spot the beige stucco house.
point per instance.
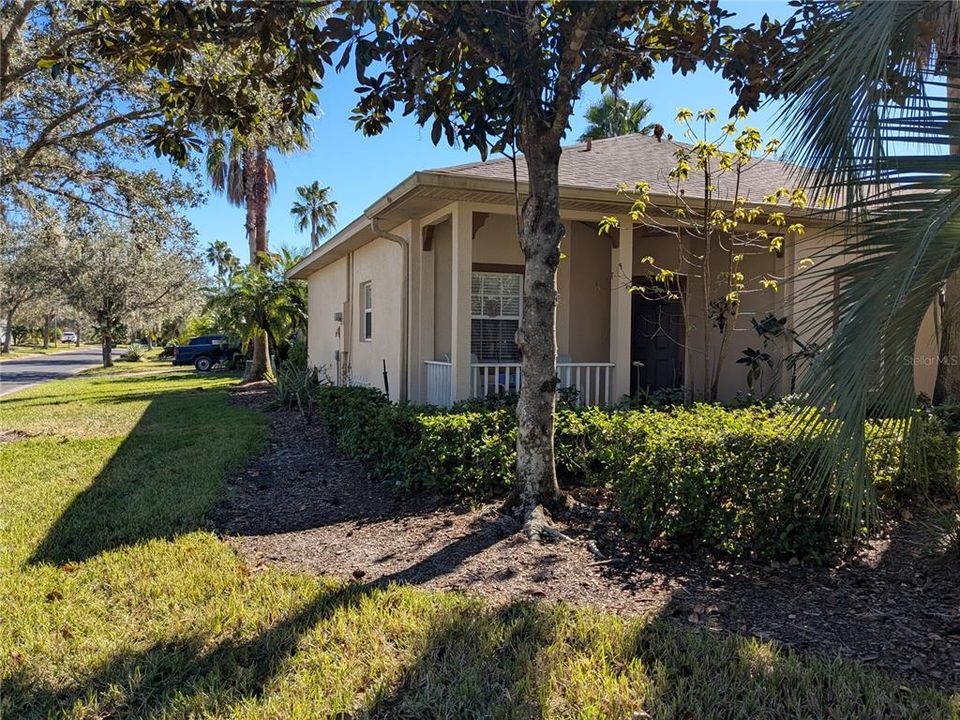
(424, 289)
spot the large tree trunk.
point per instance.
(46, 331)
(259, 199)
(261, 365)
(106, 349)
(540, 236)
(249, 161)
(8, 333)
(261, 193)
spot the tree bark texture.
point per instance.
(106, 348)
(261, 193)
(258, 199)
(261, 356)
(8, 332)
(540, 235)
(250, 203)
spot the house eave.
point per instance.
(425, 191)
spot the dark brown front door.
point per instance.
(658, 336)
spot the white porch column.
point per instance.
(424, 311)
(621, 274)
(414, 359)
(462, 271)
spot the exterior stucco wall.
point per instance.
(326, 294)
(380, 263)
(496, 241)
(812, 290)
(928, 353)
(589, 297)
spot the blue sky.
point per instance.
(360, 169)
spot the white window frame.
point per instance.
(366, 311)
(475, 316)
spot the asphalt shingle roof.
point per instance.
(634, 158)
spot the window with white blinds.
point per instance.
(495, 311)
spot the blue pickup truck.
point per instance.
(203, 352)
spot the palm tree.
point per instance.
(243, 172)
(223, 260)
(613, 116)
(877, 131)
(314, 210)
(261, 302)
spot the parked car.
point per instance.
(203, 352)
(69, 337)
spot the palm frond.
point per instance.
(871, 120)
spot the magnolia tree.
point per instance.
(504, 76)
(716, 227)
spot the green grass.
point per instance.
(151, 363)
(118, 604)
(20, 351)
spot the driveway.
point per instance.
(19, 374)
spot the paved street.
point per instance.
(19, 374)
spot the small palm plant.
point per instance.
(315, 210)
(260, 302)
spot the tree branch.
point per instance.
(567, 71)
(60, 192)
(6, 41)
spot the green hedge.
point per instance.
(468, 453)
(703, 475)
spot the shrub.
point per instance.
(703, 475)
(465, 453)
(718, 477)
(135, 353)
(296, 386)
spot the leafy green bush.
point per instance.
(703, 475)
(466, 453)
(713, 476)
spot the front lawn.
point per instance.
(120, 604)
(21, 351)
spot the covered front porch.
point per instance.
(468, 269)
(587, 383)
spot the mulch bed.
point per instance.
(304, 505)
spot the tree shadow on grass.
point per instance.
(161, 481)
(478, 662)
(179, 674)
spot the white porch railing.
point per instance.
(590, 380)
(438, 382)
